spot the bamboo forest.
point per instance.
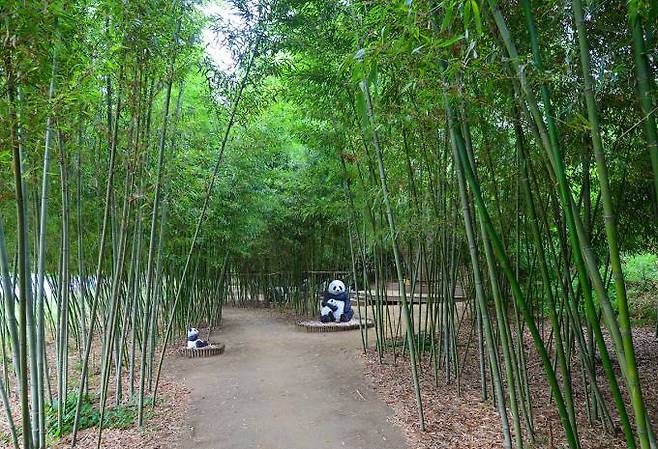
(195, 195)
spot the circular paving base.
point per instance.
(208, 351)
(317, 326)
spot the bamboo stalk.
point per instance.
(632, 375)
(413, 360)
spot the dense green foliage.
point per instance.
(118, 417)
(506, 149)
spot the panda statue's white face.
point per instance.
(192, 334)
(193, 340)
(336, 287)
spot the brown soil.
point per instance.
(162, 425)
(279, 387)
(457, 418)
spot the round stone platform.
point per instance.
(208, 351)
(317, 326)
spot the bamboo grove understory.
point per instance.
(477, 171)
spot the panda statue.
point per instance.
(193, 341)
(336, 304)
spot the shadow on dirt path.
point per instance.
(277, 387)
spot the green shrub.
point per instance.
(89, 416)
(641, 273)
(118, 417)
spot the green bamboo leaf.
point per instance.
(361, 104)
(448, 15)
(477, 16)
(417, 49)
(448, 42)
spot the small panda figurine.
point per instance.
(336, 304)
(193, 341)
(335, 309)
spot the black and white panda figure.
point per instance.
(334, 312)
(193, 341)
(336, 304)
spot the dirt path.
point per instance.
(279, 388)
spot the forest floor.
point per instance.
(457, 418)
(278, 387)
(162, 424)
